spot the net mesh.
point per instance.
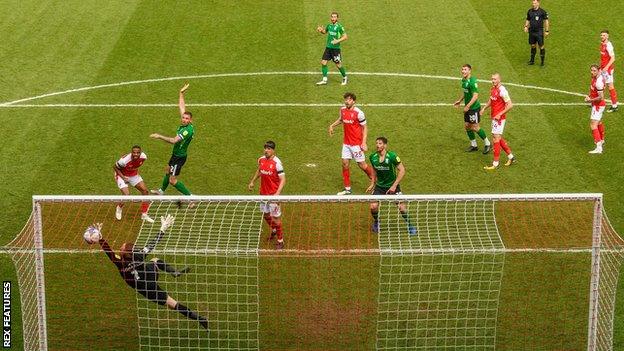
(480, 273)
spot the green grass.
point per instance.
(50, 46)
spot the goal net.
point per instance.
(469, 272)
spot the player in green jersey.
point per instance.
(472, 110)
(387, 174)
(181, 141)
(335, 35)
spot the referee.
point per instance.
(537, 26)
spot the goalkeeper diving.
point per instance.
(142, 275)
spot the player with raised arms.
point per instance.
(181, 141)
(272, 181)
(354, 140)
(388, 171)
(127, 172)
(142, 275)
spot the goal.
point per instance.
(479, 272)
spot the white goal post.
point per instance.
(446, 284)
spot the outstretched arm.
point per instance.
(181, 103)
(166, 222)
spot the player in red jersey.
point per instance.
(127, 172)
(500, 102)
(272, 180)
(596, 97)
(354, 142)
(607, 58)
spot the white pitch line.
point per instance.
(247, 74)
(276, 104)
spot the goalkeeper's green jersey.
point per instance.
(186, 134)
(470, 88)
(334, 31)
(386, 169)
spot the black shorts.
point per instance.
(472, 116)
(152, 292)
(175, 164)
(332, 55)
(536, 37)
(383, 191)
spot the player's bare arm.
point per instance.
(281, 184)
(546, 27)
(321, 30)
(597, 98)
(250, 186)
(333, 125)
(458, 101)
(508, 106)
(118, 172)
(341, 39)
(165, 138)
(181, 103)
(364, 135)
(526, 26)
(486, 106)
(400, 176)
(475, 96)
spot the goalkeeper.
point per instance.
(143, 275)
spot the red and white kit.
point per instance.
(130, 169)
(598, 107)
(270, 171)
(498, 98)
(352, 120)
(606, 53)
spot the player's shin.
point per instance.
(613, 95)
(497, 150)
(346, 178)
(483, 136)
(324, 70)
(165, 182)
(187, 312)
(145, 206)
(596, 135)
(601, 129)
(181, 188)
(503, 144)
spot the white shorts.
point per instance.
(608, 77)
(271, 207)
(134, 180)
(596, 113)
(353, 152)
(498, 126)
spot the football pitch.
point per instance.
(86, 80)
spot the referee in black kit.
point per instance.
(537, 26)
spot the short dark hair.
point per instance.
(334, 13)
(595, 66)
(270, 144)
(136, 147)
(188, 113)
(467, 65)
(383, 139)
(605, 31)
(349, 95)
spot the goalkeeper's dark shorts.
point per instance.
(152, 292)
